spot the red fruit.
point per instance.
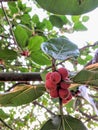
(64, 84)
(55, 77)
(54, 94)
(25, 53)
(64, 101)
(63, 72)
(48, 75)
(63, 93)
(50, 85)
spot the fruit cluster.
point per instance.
(57, 84)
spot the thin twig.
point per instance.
(89, 116)
(6, 124)
(11, 30)
(37, 103)
(85, 47)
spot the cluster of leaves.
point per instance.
(24, 40)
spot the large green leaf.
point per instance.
(70, 123)
(21, 94)
(72, 7)
(60, 48)
(21, 35)
(88, 77)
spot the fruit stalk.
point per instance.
(61, 113)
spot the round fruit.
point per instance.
(55, 77)
(63, 93)
(25, 53)
(64, 85)
(64, 101)
(48, 75)
(54, 94)
(63, 72)
(68, 7)
(50, 85)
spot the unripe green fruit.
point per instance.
(48, 75)
(50, 85)
(63, 72)
(55, 77)
(63, 93)
(54, 93)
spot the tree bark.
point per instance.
(11, 76)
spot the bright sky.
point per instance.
(91, 35)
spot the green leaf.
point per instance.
(3, 115)
(70, 123)
(35, 19)
(75, 18)
(88, 77)
(21, 94)
(47, 24)
(34, 43)
(72, 7)
(60, 48)
(40, 58)
(7, 54)
(57, 21)
(13, 8)
(85, 18)
(21, 35)
(78, 26)
(25, 19)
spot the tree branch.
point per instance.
(89, 117)
(6, 124)
(11, 30)
(37, 103)
(11, 76)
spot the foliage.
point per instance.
(30, 43)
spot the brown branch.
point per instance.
(6, 124)
(11, 30)
(89, 116)
(11, 76)
(85, 47)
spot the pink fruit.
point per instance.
(48, 75)
(63, 93)
(50, 85)
(63, 72)
(64, 101)
(55, 77)
(25, 53)
(64, 84)
(54, 93)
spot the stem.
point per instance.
(61, 113)
(11, 30)
(53, 65)
(6, 124)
